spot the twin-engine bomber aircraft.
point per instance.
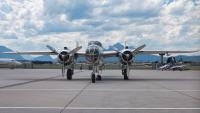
(94, 55)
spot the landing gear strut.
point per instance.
(95, 71)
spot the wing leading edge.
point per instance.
(165, 52)
(31, 53)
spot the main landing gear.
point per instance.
(125, 72)
(69, 74)
(93, 77)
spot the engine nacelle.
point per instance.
(64, 56)
(126, 56)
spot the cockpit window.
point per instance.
(92, 53)
(95, 43)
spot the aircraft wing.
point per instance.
(164, 52)
(110, 53)
(81, 53)
(31, 53)
(105, 53)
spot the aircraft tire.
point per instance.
(69, 74)
(93, 78)
(125, 75)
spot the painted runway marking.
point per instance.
(131, 90)
(31, 107)
(111, 108)
(102, 108)
(27, 82)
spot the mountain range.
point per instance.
(13, 56)
(118, 46)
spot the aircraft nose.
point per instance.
(92, 53)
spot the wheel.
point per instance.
(93, 78)
(69, 74)
(98, 77)
(125, 75)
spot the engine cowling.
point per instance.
(126, 56)
(64, 56)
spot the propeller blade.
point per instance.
(75, 49)
(138, 49)
(51, 48)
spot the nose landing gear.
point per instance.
(93, 76)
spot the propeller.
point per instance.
(136, 51)
(127, 54)
(75, 49)
(64, 55)
(52, 49)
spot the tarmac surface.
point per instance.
(147, 91)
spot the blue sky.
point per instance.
(160, 24)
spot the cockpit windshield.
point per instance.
(92, 53)
(95, 43)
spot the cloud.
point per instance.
(169, 24)
(135, 8)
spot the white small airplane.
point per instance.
(172, 67)
(9, 62)
(94, 55)
(172, 64)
